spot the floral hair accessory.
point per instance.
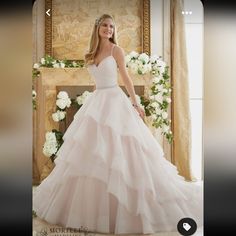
(97, 21)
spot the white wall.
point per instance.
(194, 44)
(156, 12)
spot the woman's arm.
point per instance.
(120, 59)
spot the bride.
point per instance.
(110, 174)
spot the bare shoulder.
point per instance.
(118, 52)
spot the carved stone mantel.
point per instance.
(47, 84)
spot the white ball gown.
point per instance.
(110, 175)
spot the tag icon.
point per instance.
(186, 226)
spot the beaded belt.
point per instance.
(105, 87)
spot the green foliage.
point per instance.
(145, 102)
(34, 214)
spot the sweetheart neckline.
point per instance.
(96, 66)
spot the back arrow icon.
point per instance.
(47, 12)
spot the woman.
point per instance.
(103, 44)
(111, 175)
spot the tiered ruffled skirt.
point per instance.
(111, 175)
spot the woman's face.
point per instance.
(106, 28)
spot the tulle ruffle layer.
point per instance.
(111, 176)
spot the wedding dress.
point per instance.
(110, 174)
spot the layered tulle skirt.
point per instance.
(111, 175)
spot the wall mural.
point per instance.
(68, 30)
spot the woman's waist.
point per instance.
(106, 86)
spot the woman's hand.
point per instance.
(140, 111)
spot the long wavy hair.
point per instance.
(95, 38)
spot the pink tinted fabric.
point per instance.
(111, 175)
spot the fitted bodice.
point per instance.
(105, 73)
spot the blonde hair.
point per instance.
(95, 39)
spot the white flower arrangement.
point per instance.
(159, 100)
(83, 97)
(63, 100)
(158, 65)
(138, 64)
(50, 146)
(36, 65)
(54, 138)
(34, 95)
(53, 141)
(142, 64)
(156, 105)
(58, 115)
(49, 61)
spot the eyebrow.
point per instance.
(107, 23)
